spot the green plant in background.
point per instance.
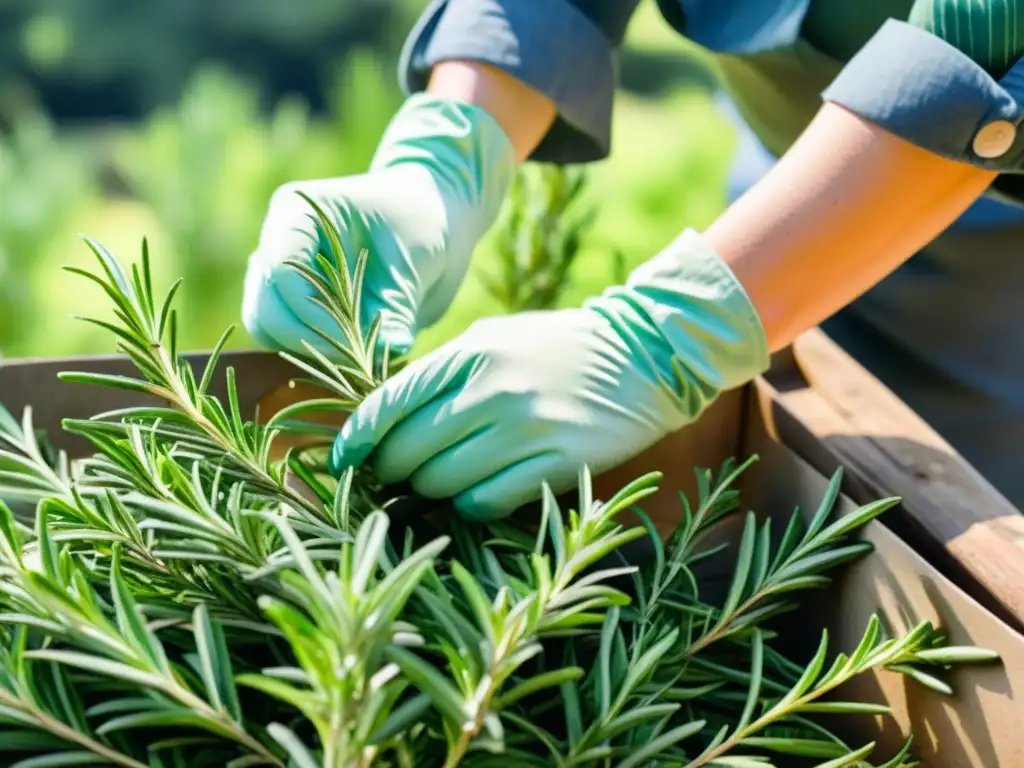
(539, 236)
(543, 229)
(362, 97)
(44, 179)
(209, 167)
(185, 561)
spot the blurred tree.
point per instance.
(107, 59)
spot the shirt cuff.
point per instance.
(548, 44)
(922, 89)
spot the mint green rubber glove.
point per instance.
(526, 398)
(435, 186)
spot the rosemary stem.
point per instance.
(776, 713)
(69, 734)
(180, 398)
(239, 734)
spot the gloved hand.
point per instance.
(521, 399)
(436, 184)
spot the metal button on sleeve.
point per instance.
(994, 139)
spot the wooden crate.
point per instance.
(832, 412)
(794, 427)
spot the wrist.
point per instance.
(691, 315)
(524, 113)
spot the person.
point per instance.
(890, 218)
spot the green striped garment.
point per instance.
(991, 32)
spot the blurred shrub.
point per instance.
(44, 179)
(208, 167)
(362, 95)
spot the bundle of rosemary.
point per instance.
(185, 597)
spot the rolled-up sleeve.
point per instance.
(562, 48)
(919, 86)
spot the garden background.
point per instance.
(175, 121)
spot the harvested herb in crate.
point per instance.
(183, 597)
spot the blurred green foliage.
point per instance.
(43, 179)
(208, 166)
(99, 58)
(196, 174)
(538, 237)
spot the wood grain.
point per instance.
(832, 412)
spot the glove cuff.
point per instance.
(465, 149)
(693, 318)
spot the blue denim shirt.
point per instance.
(905, 79)
(943, 330)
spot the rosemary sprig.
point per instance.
(817, 681)
(363, 362)
(25, 689)
(147, 334)
(345, 628)
(552, 598)
(761, 578)
(59, 600)
(181, 561)
(27, 473)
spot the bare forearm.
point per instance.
(523, 113)
(841, 210)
